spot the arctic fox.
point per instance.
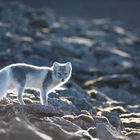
(45, 79)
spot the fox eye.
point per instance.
(59, 73)
(66, 73)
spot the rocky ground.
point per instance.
(102, 99)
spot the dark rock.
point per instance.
(64, 104)
(79, 98)
(113, 80)
(37, 60)
(135, 115)
(131, 120)
(105, 131)
(74, 91)
(98, 95)
(114, 119)
(92, 131)
(117, 109)
(18, 128)
(4, 101)
(121, 94)
(83, 121)
(134, 135)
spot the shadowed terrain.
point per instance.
(117, 10)
(102, 99)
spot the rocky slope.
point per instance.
(101, 101)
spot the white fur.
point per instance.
(34, 81)
(5, 81)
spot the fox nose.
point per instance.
(62, 80)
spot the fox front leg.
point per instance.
(43, 96)
(47, 93)
(46, 87)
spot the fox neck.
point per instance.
(54, 79)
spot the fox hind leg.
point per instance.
(20, 85)
(20, 80)
(3, 88)
(4, 82)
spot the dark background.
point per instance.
(127, 11)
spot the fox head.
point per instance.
(62, 71)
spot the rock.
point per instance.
(58, 29)
(74, 90)
(37, 60)
(4, 101)
(62, 129)
(48, 128)
(64, 104)
(105, 131)
(118, 109)
(98, 95)
(121, 94)
(83, 121)
(92, 131)
(113, 80)
(69, 117)
(130, 120)
(20, 129)
(19, 121)
(130, 115)
(114, 119)
(134, 135)
(33, 94)
(77, 96)
(28, 101)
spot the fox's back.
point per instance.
(33, 76)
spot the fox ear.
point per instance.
(55, 64)
(69, 65)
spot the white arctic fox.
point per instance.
(46, 79)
